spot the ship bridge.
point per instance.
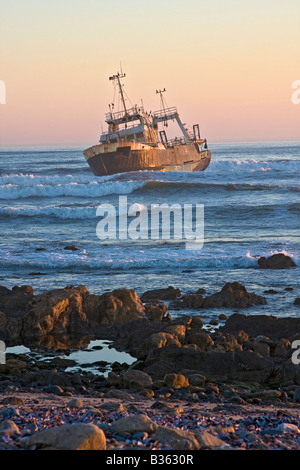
(134, 124)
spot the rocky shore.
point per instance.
(232, 387)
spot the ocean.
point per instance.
(250, 193)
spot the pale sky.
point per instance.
(228, 65)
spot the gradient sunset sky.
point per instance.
(228, 65)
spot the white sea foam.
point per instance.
(252, 165)
(128, 259)
(73, 189)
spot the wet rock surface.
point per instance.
(231, 387)
(277, 261)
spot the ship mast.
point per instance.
(117, 77)
(160, 92)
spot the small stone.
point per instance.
(9, 427)
(75, 403)
(222, 316)
(288, 427)
(9, 412)
(113, 406)
(139, 422)
(176, 381)
(136, 379)
(54, 389)
(209, 441)
(197, 380)
(12, 401)
(120, 394)
(184, 440)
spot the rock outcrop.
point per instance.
(277, 261)
(70, 311)
(232, 295)
(266, 325)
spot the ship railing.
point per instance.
(128, 128)
(179, 141)
(166, 113)
(133, 112)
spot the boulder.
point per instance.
(233, 295)
(201, 338)
(155, 310)
(175, 381)
(192, 301)
(177, 331)
(57, 311)
(208, 441)
(266, 325)
(136, 379)
(15, 401)
(139, 422)
(63, 313)
(120, 305)
(236, 365)
(156, 340)
(68, 437)
(8, 427)
(196, 322)
(179, 439)
(277, 261)
(169, 293)
(71, 248)
(226, 341)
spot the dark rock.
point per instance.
(196, 322)
(120, 305)
(266, 325)
(277, 261)
(71, 248)
(77, 436)
(193, 301)
(16, 401)
(136, 379)
(233, 295)
(169, 293)
(236, 365)
(54, 389)
(297, 301)
(201, 338)
(9, 412)
(67, 312)
(155, 310)
(37, 274)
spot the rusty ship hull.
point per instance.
(133, 141)
(128, 156)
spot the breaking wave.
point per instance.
(73, 189)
